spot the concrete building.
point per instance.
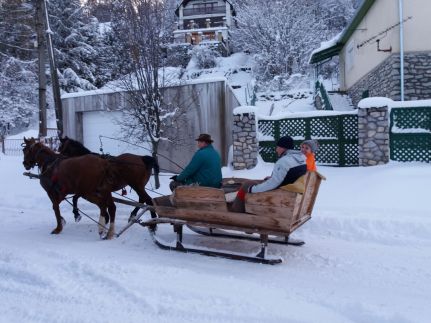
(204, 22)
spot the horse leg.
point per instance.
(58, 217)
(75, 208)
(111, 211)
(143, 198)
(102, 220)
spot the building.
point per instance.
(204, 22)
(384, 51)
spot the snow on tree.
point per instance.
(205, 56)
(143, 30)
(281, 34)
(77, 45)
(18, 79)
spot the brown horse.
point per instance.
(88, 176)
(134, 170)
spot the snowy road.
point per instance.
(366, 259)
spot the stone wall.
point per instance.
(245, 145)
(384, 80)
(373, 134)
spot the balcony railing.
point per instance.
(204, 11)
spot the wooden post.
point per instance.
(42, 77)
(3, 150)
(54, 75)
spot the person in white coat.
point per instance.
(288, 168)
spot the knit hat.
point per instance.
(313, 144)
(205, 138)
(285, 142)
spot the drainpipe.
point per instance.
(400, 3)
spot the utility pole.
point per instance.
(54, 75)
(42, 77)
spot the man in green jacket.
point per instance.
(204, 169)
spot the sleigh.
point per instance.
(270, 217)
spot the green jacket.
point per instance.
(204, 169)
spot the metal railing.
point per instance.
(13, 147)
(324, 95)
(204, 11)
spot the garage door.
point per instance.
(102, 129)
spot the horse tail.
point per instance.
(151, 162)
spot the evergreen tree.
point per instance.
(74, 52)
(18, 78)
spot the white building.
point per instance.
(379, 58)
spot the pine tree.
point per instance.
(74, 52)
(18, 79)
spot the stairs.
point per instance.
(340, 101)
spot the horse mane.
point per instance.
(79, 147)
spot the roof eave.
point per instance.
(345, 36)
(326, 53)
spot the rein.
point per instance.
(136, 145)
(86, 215)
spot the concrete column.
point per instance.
(228, 14)
(373, 142)
(245, 145)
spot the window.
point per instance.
(350, 52)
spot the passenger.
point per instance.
(288, 168)
(204, 169)
(309, 148)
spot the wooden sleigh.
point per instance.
(270, 217)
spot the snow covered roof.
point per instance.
(334, 46)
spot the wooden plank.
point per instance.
(270, 222)
(199, 197)
(314, 196)
(162, 200)
(209, 225)
(275, 198)
(297, 208)
(198, 192)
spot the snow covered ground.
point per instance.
(366, 259)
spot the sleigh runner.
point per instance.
(272, 216)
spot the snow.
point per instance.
(374, 102)
(366, 259)
(327, 44)
(411, 104)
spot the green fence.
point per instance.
(410, 134)
(337, 136)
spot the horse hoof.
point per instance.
(78, 218)
(107, 237)
(56, 231)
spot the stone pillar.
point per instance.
(373, 142)
(245, 145)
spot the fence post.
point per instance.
(373, 136)
(245, 146)
(340, 133)
(3, 150)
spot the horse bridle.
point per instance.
(63, 145)
(29, 150)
